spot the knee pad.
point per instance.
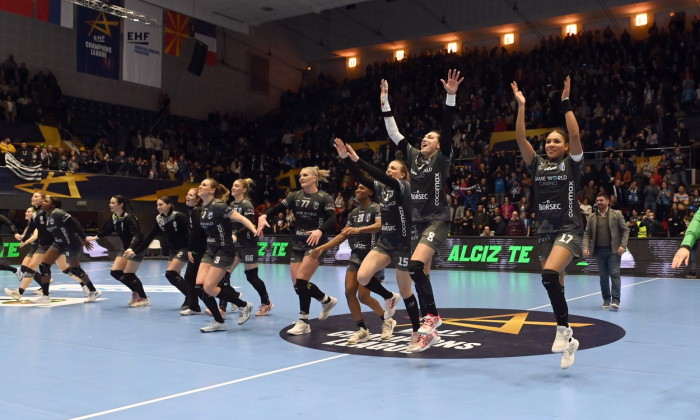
(77, 271)
(44, 269)
(550, 281)
(415, 266)
(251, 275)
(117, 274)
(171, 275)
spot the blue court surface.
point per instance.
(105, 360)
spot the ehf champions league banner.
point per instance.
(97, 48)
(143, 46)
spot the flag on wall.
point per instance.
(59, 12)
(20, 7)
(97, 43)
(206, 32)
(27, 173)
(177, 30)
(142, 47)
(179, 27)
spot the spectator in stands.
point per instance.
(507, 207)
(664, 200)
(24, 154)
(5, 147)
(695, 200)
(676, 225)
(681, 197)
(481, 218)
(651, 193)
(486, 231)
(586, 208)
(632, 196)
(499, 226)
(9, 106)
(516, 226)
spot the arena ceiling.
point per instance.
(328, 28)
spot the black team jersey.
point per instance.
(555, 185)
(361, 217)
(38, 222)
(394, 197)
(428, 176)
(127, 228)
(244, 236)
(216, 224)
(175, 229)
(66, 231)
(311, 212)
(198, 239)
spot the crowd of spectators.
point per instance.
(631, 99)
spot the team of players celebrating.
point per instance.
(402, 218)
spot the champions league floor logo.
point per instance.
(466, 333)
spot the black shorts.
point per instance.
(180, 254)
(221, 258)
(399, 254)
(248, 253)
(297, 255)
(33, 247)
(137, 257)
(431, 233)
(356, 257)
(571, 241)
(70, 251)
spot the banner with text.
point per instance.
(143, 46)
(97, 49)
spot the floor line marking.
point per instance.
(206, 388)
(595, 294)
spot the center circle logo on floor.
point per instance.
(465, 333)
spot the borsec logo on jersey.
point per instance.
(465, 333)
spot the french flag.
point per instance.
(206, 32)
(55, 11)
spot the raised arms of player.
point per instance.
(575, 146)
(526, 150)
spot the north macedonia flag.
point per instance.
(177, 29)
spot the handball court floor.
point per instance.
(105, 360)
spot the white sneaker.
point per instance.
(92, 296)
(426, 341)
(413, 344)
(213, 327)
(43, 299)
(86, 292)
(300, 328)
(326, 308)
(388, 328)
(189, 311)
(14, 294)
(390, 305)
(360, 336)
(141, 302)
(567, 356)
(562, 337)
(429, 324)
(134, 298)
(244, 313)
